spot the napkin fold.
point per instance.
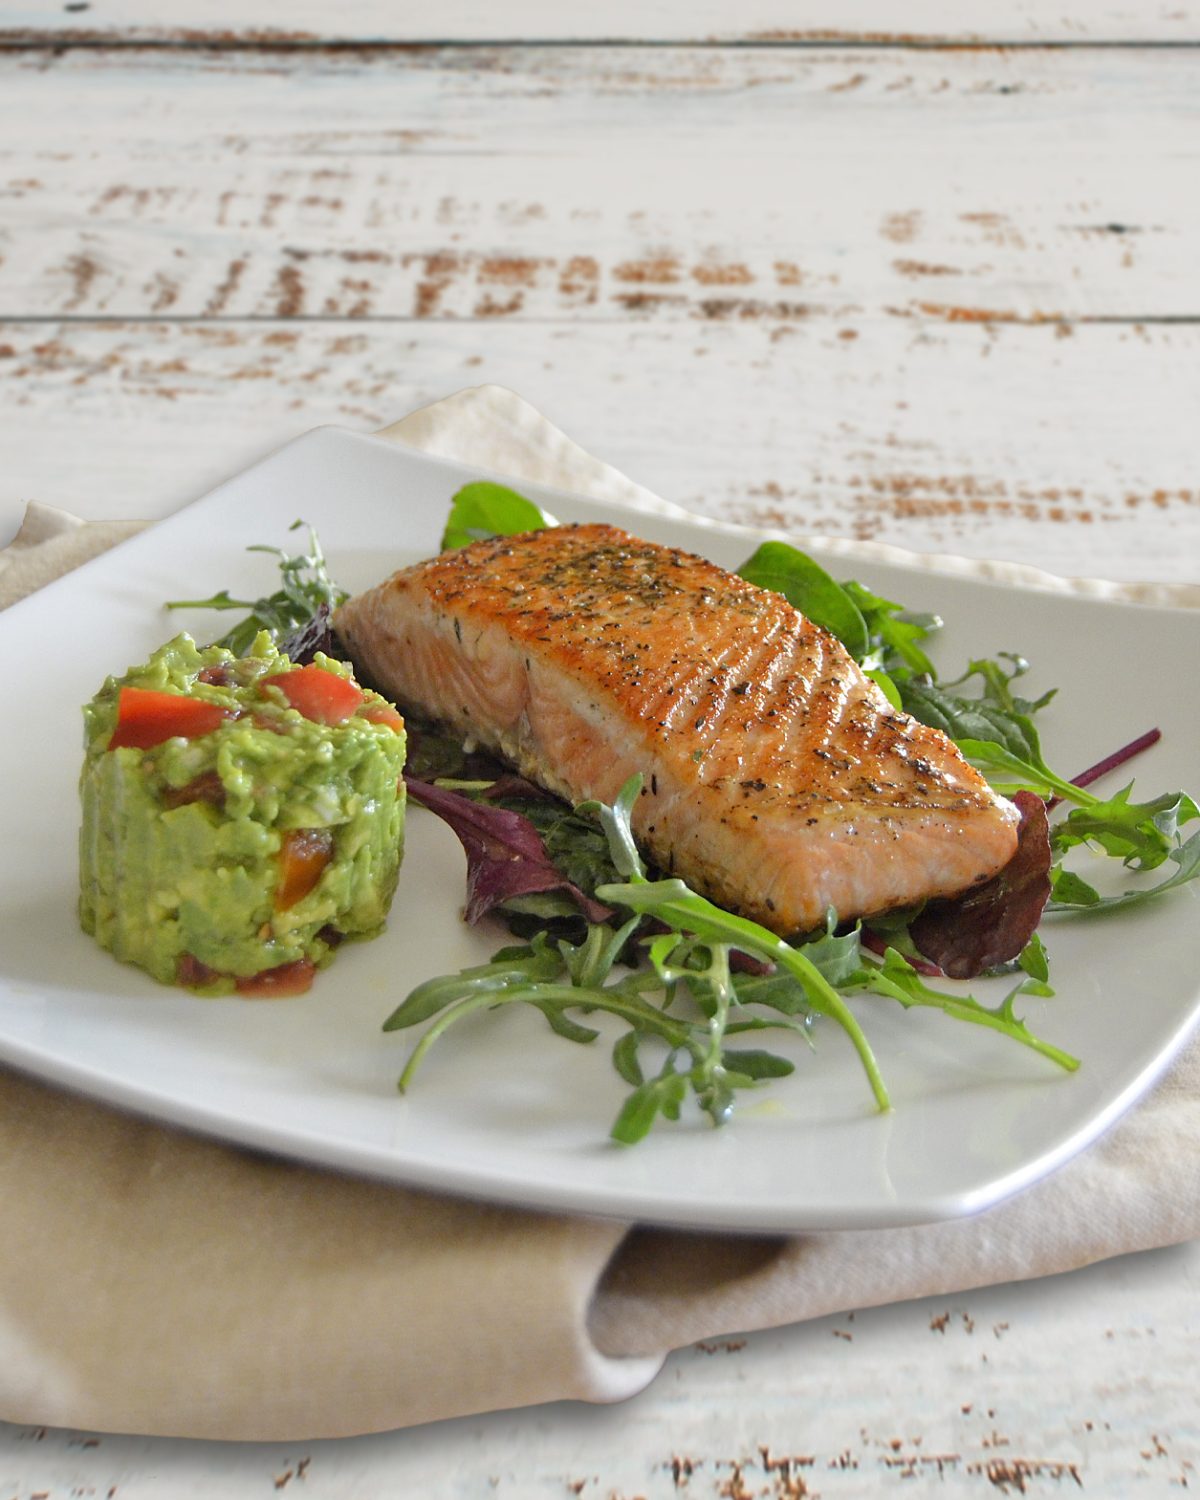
(158, 1283)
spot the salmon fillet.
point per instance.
(778, 780)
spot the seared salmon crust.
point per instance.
(778, 780)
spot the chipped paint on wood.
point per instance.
(991, 440)
(535, 184)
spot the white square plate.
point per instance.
(503, 1109)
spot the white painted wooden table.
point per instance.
(779, 263)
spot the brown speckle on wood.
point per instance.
(923, 268)
(579, 280)
(489, 307)
(681, 1469)
(998, 229)
(749, 307)
(1013, 1474)
(440, 269)
(645, 302)
(163, 292)
(290, 286)
(901, 228)
(83, 271)
(660, 270)
(718, 275)
(217, 302)
(510, 270)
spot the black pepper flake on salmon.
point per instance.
(583, 655)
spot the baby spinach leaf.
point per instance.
(809, 588)
(485, 509)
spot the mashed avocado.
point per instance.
(240, 816)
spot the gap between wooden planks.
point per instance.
(1062, 451)
(782, 22)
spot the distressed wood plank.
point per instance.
(796, 21)
(659, 183)
(1071, 452)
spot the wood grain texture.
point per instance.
(804, 21)
(1076, 1384)
(596, 184)
(1055, 446)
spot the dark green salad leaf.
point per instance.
(485, 509)
(809, 588)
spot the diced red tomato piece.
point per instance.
(383, 713)
(146, 718)
(305, 853)
(279, 983)
(321, 696)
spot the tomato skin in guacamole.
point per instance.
(237, 825)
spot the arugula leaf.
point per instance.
(689, 957)
(1070, 892)
(1034, 959)
(1141, 834)
(305, 589)
(1032, 774)
(755, 1064)
(661, 1095)
(810, 589)
(897, 978)
(484, 509)
(625, 1059)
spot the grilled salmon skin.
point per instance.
(778, 780)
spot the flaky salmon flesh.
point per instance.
(777, 778)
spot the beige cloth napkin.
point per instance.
(153, 1282)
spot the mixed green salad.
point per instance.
(696, 987)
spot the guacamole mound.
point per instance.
(241, 816)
